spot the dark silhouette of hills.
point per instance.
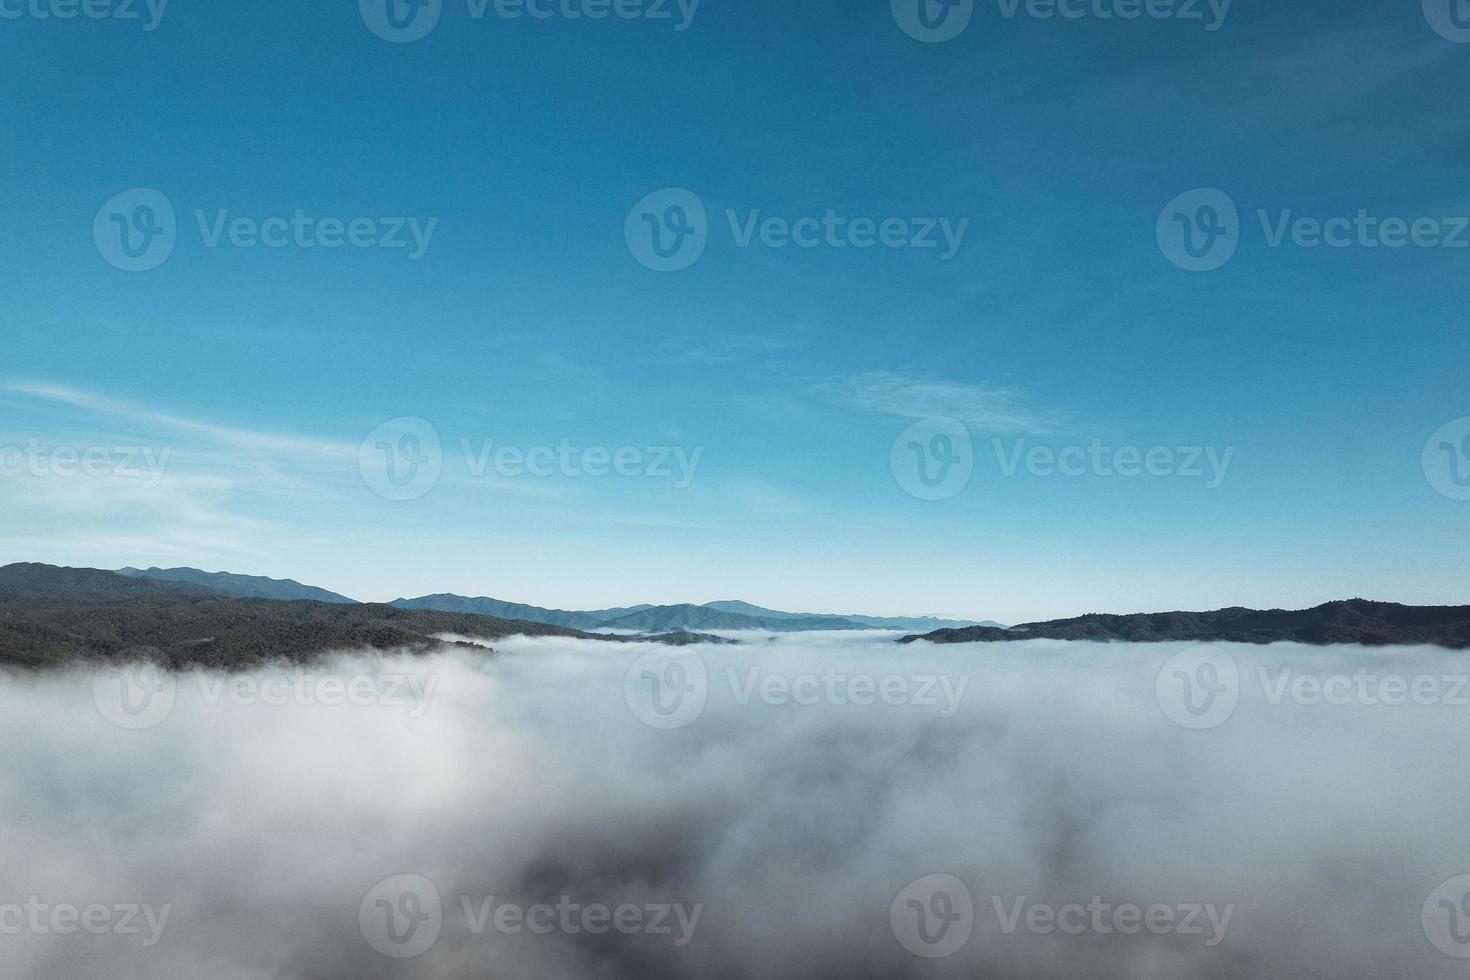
(1350, 621)
(96, 585)
(28, 580)
(241, 586)
(704, 618)
(52, 616)
(918, 623)
(485, 606)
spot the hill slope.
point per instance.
(916, 623)
(485, 606)
(52, 616)
(704, 618)
(29, 580)
(241, 586)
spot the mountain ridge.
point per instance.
(240, 586)
(726, 614)
(873, 622)
(1360, 621)
(52, 615)
(486, 606)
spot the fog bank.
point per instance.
(803, 806)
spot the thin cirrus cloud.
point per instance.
(192, 490)
(247, 439)
(986, 407)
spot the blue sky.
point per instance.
(529, 320)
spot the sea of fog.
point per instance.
(797, 806)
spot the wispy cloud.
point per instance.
(985, 407)
(248, 439)
(193, 489)
(736, 347)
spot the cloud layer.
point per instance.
(793, 802)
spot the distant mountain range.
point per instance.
(1351, 621)
(483, 606)
(51, 615)
(724, 615)
(870, 622)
